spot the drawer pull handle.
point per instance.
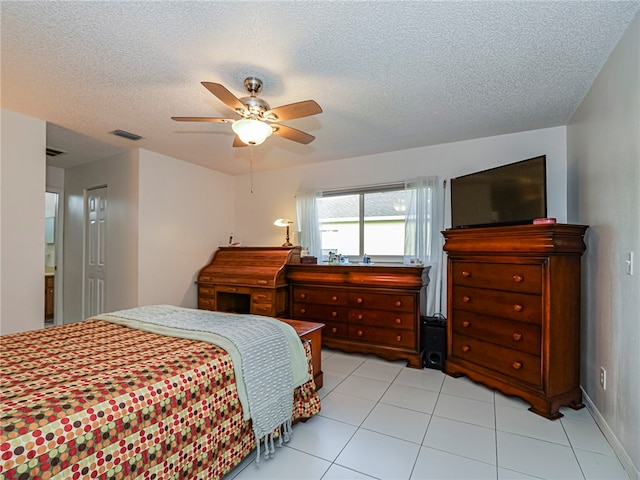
(231, 289)
(303, 295)
(334, 330)
(303, 310)
(517, 336)
(466, 274)
(466, 324)
(466, 348)
(518, 308)
(398, 303)
(334, 298)
(399, 338)
(360, 333)
(334, 314)
(466, 299)
(359, 300)
(261, 296)
(360, 316)
(262, 282)
(518, 278)
(398, 321)
(516, 365)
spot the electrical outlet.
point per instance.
(603, 378)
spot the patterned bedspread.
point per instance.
(99, 400)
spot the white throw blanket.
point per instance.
(268, 358)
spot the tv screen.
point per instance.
(513, 194)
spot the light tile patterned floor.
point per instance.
(380, 420)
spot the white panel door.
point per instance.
(95, 249)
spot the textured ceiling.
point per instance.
(388, 75)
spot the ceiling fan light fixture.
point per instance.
(251, 131)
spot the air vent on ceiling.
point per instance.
(125, 134)
(54, 152)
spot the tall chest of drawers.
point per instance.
(365, 309)
(514, 311)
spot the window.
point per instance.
(362, 222)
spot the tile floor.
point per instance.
(380, 420)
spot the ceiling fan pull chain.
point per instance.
(251, 168)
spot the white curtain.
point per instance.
(422, 238)
(308, 222)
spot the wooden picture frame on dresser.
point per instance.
(513, 307)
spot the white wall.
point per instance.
(22, 186)
(274, 191)
(604, 166)
(185, 213)
(120, 175)
(55, 177)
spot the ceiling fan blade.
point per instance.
(292, 134)
(238, 143)
(202, 119)
(293, 110)
(228, 98)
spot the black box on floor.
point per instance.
(434, 341)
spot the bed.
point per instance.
(100, 399)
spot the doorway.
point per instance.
(53, 272)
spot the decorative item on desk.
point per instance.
(284, 222)
(544, 221)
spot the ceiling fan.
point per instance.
(257, 119)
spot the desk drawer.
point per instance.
(501, 276)
(207, 291)
(516, 306)
(382, 336)
(206, 303)
(522, 366)
(508, 333)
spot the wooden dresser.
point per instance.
(247, 280)
(514, 311)
(366, 309)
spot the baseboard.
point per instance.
(618, 449)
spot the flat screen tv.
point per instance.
(513, 194)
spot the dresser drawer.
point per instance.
(380, 318)
(513, 277)
(522, 366)
(335, 330)
(517, 306)
(320, 296)
(521, 336)
(321, 313)
(398, 303)
(383, 336)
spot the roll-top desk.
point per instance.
(247, 280)
(365, 309)
(514, 311)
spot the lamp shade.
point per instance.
(252, 132)
(282, 222)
